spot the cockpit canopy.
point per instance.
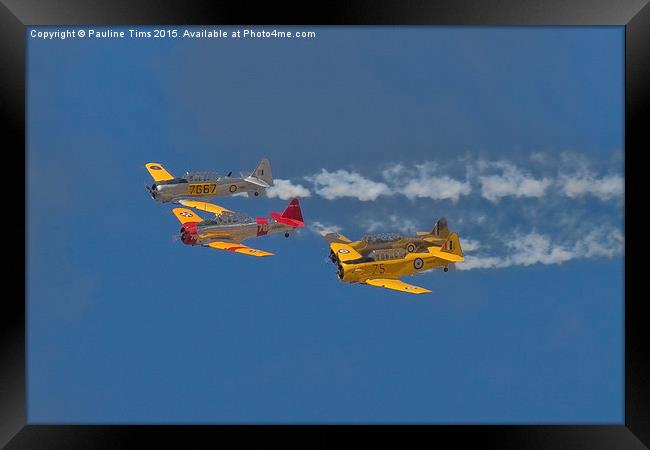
(381, 238)
(201, 176)
(233, 218)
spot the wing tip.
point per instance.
(396, 285)
(158, 171)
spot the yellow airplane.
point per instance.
(384, 267)
(228, 229)
(421, 240)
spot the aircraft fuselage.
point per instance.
(367, 268)
(181, 188)
(202, 233)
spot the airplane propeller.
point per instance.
(229, 173)
(151, 190)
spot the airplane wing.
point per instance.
(158, 172)
(344, 252)
(204, 206)
(185, 215)
(238, 248)
(396, 285)
(335, 237)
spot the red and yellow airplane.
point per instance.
(383, 267)
(228, 229)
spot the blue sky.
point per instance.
(515, 135)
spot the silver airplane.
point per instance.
(206, 185)
(228, 229)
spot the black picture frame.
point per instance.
(16, 15)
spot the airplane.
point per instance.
(228, 228)
(422, 239)
(206, 185)
(384, 267)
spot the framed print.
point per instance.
(416, 216)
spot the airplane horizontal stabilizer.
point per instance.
(450, 250)
(257, 182)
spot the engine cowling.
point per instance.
(189, 233)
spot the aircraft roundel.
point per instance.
(344, 250)
(186, 214)
(410, 248)
(232, 188)
(418, 263)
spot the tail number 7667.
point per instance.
(198, 189)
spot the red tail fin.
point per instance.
(293, 211)
(291, 216)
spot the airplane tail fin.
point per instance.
(291, 216)
(263, 172)
(293, 211)
(440, 229)
(452, 245)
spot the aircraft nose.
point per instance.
(188, 233)
(339, 271)
(151, 190)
